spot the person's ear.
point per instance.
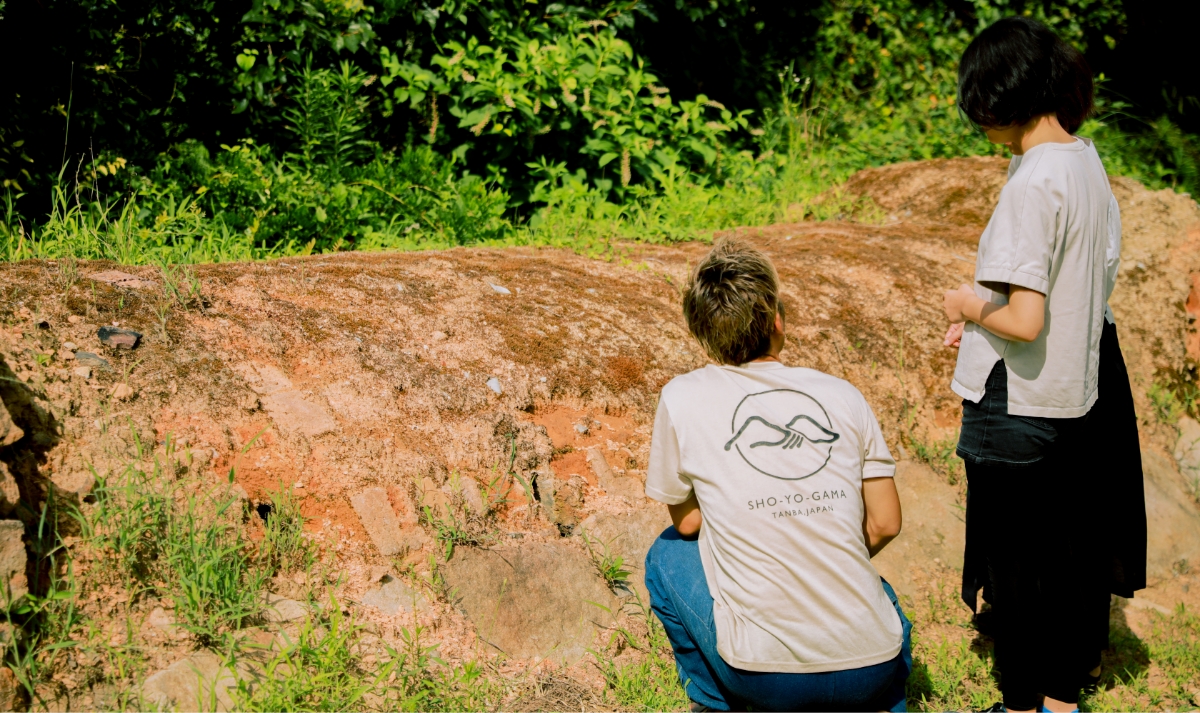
(779, 322)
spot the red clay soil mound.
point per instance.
(434, 375)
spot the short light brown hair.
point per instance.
(731, 302)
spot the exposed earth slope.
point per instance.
(511, 393)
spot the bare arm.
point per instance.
(882, 520)
(686, 516)
(1021, 320)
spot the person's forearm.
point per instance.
(876, 542)
(1003, 320)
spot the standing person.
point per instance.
(779, 485)
(1048, 425)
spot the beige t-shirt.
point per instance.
(776, 457)
(1056, 230)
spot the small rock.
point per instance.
(249, 402)
(121, 392)
(13, 560)
(92, 360)
(592, 291)
(70, 346)
(10, 432)
(10, 494)
(581, 429)
(83, 371)
(280, 610)
(119, 338)
(438, 336)
(73, 487)
(162, 620)
(393, 596)
(500, 290)
(8, 689)
(74, 319)
(65, 355)
(494, 384)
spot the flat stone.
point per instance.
(121, 392)
(393, 596)
(65, 355)
(119, 338)
(93, 360)
(380, 521)
(293, 414)
(533, 599)
(191, 684)
(438, 336)
(10, 432)
(1172, 520)
(934, 528)
(494, 384)
(12, 561)
(70, 346)
(82, 371)
(280, 609)
(121, 279)
(628, 535)
(74, 319)
(499, 289)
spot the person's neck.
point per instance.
(1043, 129)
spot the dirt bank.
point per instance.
(516, 387)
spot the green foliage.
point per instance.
(284, 548)
(611, 567)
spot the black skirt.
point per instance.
(1108, 502)
(1056, 520)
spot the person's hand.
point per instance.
(954, 301)
(954, 335)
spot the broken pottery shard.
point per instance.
(119, 338)
(379, 521)
(121, 279)
(93, 360)
(292, 414)
(10, 432)
(12, 561)
(499, 289)
(494, 384)
(536, 599)
(392, 597)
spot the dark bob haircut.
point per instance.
(1017, 69)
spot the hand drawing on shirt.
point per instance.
(793, 435)
(794, 451)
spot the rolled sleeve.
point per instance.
(877, 459)
(1018, 246)
(664, 482)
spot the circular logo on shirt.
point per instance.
(782, 433)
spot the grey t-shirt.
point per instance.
(1056, 230)
(776, 457)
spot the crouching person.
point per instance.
(780, 486)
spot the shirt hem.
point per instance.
(968, 394)
(797, 667)
(660, 496)
(1053, 411)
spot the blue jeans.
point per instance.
(679, 596)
